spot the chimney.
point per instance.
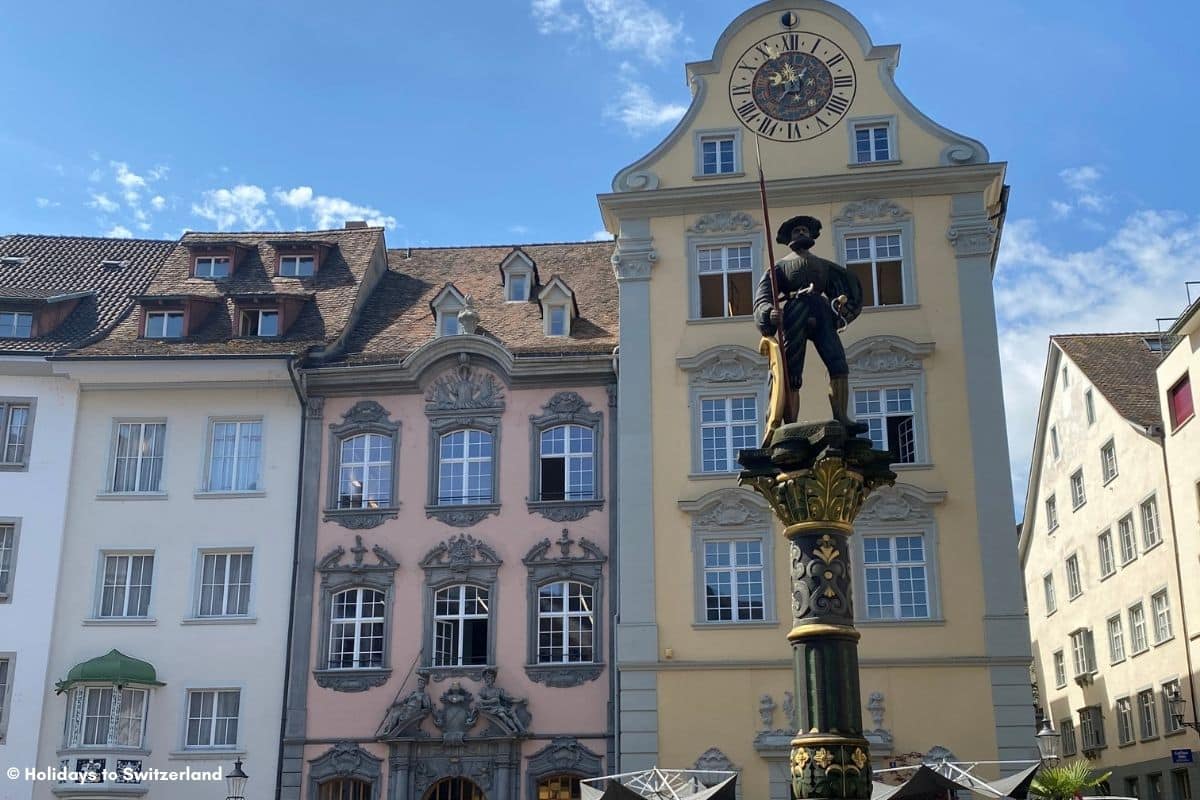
(353, 224)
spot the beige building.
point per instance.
(1099, 557)
(704, 669)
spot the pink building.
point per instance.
(451, 636)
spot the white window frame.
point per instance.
(1116, 639)
(874, 260)
(570, 457)
(1089, 407)
(1127, 544)
(725, 271)
(895, 565)
(1160, 610)
(1074, 576)
(165, 317)
(8, 661)
(1070, 745)
(700, 241)
(1108, 461)
(447, 322)
(1083, 652)
(1147, 712)
(1126, 730)
(1049, 593)
(15, 447)
(1091, 721)
(1151, 524)
(512, 296)
(76, 726)
(1051, 514)
(211, 264)
(295, 260)
(565, 618)
(126, 584)
(1137, 622)
(10, 538)
(728, 426)
(256, 315)
(240, 458)
(916, 387)
(359, 621)
(1170, 725)
(226, 587)
(1060, 668)
(211, 718)
(558, 320)
(465, 462)
(729, 544)
(16, 330)
(138, 458)
(457, 622)
(1107, 556)
(1078, 490)
(365, 500)
(854, 124)
(701, 136)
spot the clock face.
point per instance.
(792, 86)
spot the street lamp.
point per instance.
(1176, 702)
(1049, 742)
(235, 781)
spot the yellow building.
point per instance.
(704, 669)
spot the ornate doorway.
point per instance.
(455, 789)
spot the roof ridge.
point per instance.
(513, 246)
(85, 238)
(1055, 336)
(283, 233)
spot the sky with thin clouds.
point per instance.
(499, 123)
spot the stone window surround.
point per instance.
(877, 121)
(698, 138)
(718, 372)
(564, 755)
(461, 559)
(365, 416)
(106, 487)
(348, 760)
(23, 465)
(543, 569)
(730, 514)
(462, 515)
(6, 595)
(888, 362)
(337, 577)
(900, 510)
(98, 589)
(716, 230)
(871, 217)
(6, 693)
(565, 408)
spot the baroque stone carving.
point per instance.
(332, 559)
(878, 354)
(360, 520)
(789, 710)
(871, 211)
(538, 555)
(579, 560)
(405, 715)
(459, 554)
(462, 516)
(352, 681)
(365, 412)
(314, 408)
(724, 364)
(344, 760)
(509, 715)
(713, 760)
(564, 754)
(468, 316)
(974, 238)
(464, 389)
(457, 714)
(637, 181)
(876, 708)
(563, 676)
(724, 514)
(900, 503)
(766, 711)
(633, 258)
(724, 222)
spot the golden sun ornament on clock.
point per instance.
(792, 86)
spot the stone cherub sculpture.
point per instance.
(507, 711)
(408, 711)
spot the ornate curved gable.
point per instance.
(886, 354)
(724, 364)
(728, 508)
(900, 504)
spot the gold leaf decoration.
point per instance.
(859, 758)
(823, 758)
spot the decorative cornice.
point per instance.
(724, 222)
(563, 676)
(462, 516)
(460, 553)
(564, 510)
(860, 211)
(539, 554)
(725, 363)
(332, 561)
(634, 254)
(899, 503)
(727, 508)
(351, 680)
(564, 754)
(565, 407)
(358, 519)
(886, 353)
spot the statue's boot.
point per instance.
(839, 402)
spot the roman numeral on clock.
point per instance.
(748, 69)
(748, 111)
(833, 62)
(793, 131)
(837, 104)
(768, 126)
(843, 81)
(821, 123)
(791, 41)
(743, 89)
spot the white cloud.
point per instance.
(637, 109)
(619, 25)
(95, 175)
(1082, 182)
(602, 236)
(551, 18)
(331, 212)
(158, 202)
(44, 202)
(244, 204)
(158, 172)
(1081, 179)
(1060, 209)
(103, 203)
(119, 232)
(519, 230)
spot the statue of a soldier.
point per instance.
(816, 300)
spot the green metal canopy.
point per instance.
(113, 667)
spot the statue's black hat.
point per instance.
(785, 230)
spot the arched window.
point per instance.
(346, 789)
(356, 629)
(559, 787)
(465, 467)
(454, 789)
(460, 626)
(365, 472)
(565, 623)
(568, 463)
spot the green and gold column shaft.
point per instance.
(816, 481)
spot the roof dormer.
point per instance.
(173, 316)
(518, 276)
(559, 309)
(266, 315)
(30, 313)
(299, 258)
(215, 260)
(445, 307)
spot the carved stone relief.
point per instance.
(724, 222)
(882, 354)
(464, 388)
(871, 211)
(899, 503)
(724, 364)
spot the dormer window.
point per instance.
(297, 266)
(164, 324)
(558, 307)
(260, 322)
(518, 274)
(448, 324)
(445, 306)
(558, 321)
(16, 324)
(212, 266)
(518, 287)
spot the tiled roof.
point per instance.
(1122, 367)
(398, 318)
(57, 265)
(333, 291)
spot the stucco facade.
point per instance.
(965, 644)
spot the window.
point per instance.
(465, 468)
(299, 266)
(1065, 380)
(260, 322)
(1083, 652)
(1179, 402)
(877, 261)
(1108, 564)
(1137, 629)
(1116, 640)
(14, 433)
(1147, 714)
(717, 155)
(1067, 727)
(871, 143)
(1091, 728)
(1077, 496)
(567, 463)
(565, 623)
(558, 321)
(1126, 539)
(726, 280)
(1060, 670)
(460, 635)
(1054, 441)
(356, 629)
(1108, 461)
(1181, 783)
(448, 323)
(1124, 721)
(224, 584)
(125, 586)
(1051, 513)
(733, 580)
(164, 324)
(1074, 582)
(212, 267)
(1133, 786)
(346, 789)
(1089, 407)
(1154, 786)
(101, 707)
(1171, 724)
(16, 324)
(1161, 606)
(518, 287)
(727, 425)
(1151, 535)
(213, 718)
(889, 416)
(365, 471)
(8, 548)
(138, 457)
(235, 456)
(1048, 588)
(896, 577)
(5, 684)
(560, 787)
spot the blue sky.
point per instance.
(498, 122)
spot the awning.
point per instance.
(923, 785)
(113, 667)
(1017, 786)
(615, 790)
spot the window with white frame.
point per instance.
(461, 626)
(224, 584)
(5, 685)
(1067, 727)
(235, 456)
(297, 266)
(8, 549)
(1083, 652)
(897, 577)
(365, 471)
(1124, 721)
(733, 580)
(726, 280)
(1108, 561)
(1116, 640)
(213, 718)
(138, 457)
(727, 425)
(1170, 723)
(717, 156)
(1089, 405)
(14, 432)
(518, 287)
(465, 467)
(1078, 497)
(1060, 669)
(260, 322)
(1138, 641)
(212, 267)
(1074, 581)
(1160, 604)
(356, 625)
(1054, 441)
(1148, 714)
(111, 717)
(872, 142)
(1091, 728)
(1151, 535)
(568, 471)
(16, 324)
(1048, 589)
(558, 321)
(1065, 380)
(877, 260)
(1051, 513)
(125, 585)
(448, 322)
(164, 324)
(1126, 539)
(890, 418)
(1108, 461)
(565, 623)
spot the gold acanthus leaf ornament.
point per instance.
(826, 550)
(823, 758)
(800, 759)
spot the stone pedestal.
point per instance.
(815, 478)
